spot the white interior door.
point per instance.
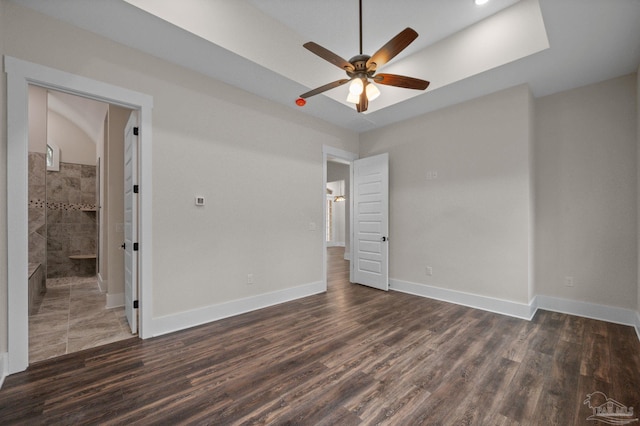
(130, 221)
(371, 221)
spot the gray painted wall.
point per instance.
(471, 222)
(586, 193)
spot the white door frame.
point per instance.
(348, 157)
(19, 75)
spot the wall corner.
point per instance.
(638, 192)
(4, 367)
(532, 198)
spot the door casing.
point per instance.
(19, 75)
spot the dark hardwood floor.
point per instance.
(352, 356)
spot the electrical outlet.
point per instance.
(249, 278)
(429, 270)
(432, 175)
(569, 281)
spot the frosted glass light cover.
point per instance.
(372, 91)
(356, 86)
(354, 99)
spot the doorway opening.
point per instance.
(20, 74)
(368, 217)
(337, 189)
(75, 186)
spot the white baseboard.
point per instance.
(115, 300)
(195, 317)
(587, 310)
(102, 283)
(499, 306)
(521, 310)
(4, 367)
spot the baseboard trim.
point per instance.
(587, 310)
(499, 306)
(115, 300)
(207, 314)
(4, 367)
(102, 283)
(521, 310)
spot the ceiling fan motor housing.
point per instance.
(360, 62)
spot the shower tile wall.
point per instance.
(37, 218)
(37, 238)
(71, 230)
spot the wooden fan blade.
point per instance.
(328, 55)
(392, 48)
(324, 88)
(401, 81)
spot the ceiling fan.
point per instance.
(361, 69)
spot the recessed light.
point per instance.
(481, 2)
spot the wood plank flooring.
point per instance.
(352, 356)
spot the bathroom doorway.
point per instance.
(75, 185)
(19, 75)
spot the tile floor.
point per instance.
(72, 317)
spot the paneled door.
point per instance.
(131, 221)
(371, 221)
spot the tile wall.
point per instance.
(37, 216)
(71, 220)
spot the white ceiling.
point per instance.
(334, 23)
(85, 113)
(257, 45)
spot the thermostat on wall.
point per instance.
(199, 201)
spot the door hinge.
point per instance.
(135, 131)
(135, 304)
(135, 246)
(136, 188)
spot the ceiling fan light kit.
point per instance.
(372, 91)
(361, 69)
(356, 86)
(354, 99)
